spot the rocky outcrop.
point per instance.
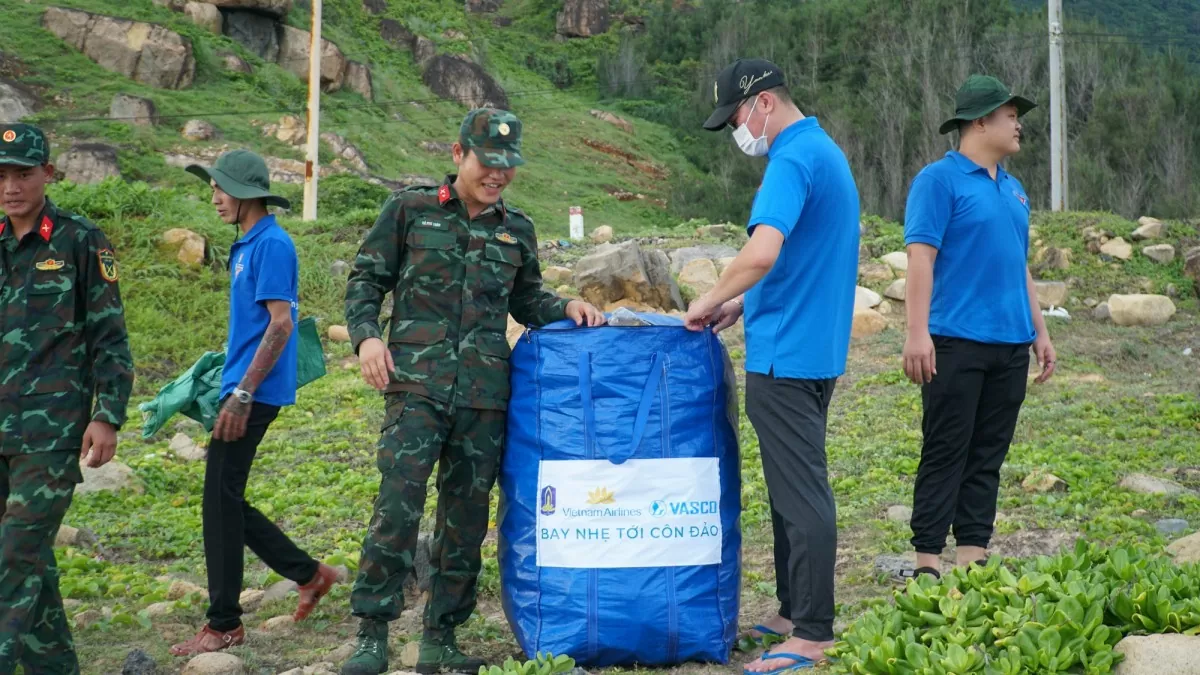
(144, 52)
(459, 80)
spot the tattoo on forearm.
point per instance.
(273, 343)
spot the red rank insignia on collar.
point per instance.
(47, 228)
(443, 194)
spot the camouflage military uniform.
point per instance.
(64, 361)
(454, 281)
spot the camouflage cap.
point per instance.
(23, 145)
(495, 135)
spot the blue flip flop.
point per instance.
(765, 632)
(798, 663)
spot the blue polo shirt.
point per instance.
(980, 228)
(263, 266)
(798, 317)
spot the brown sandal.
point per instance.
(209, 640)
(312, 592)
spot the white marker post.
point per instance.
(576, 220)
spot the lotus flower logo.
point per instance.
(601, 495)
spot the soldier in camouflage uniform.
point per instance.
(458, 260)
(65, 378)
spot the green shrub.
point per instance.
(544, 664)
(1051, 614)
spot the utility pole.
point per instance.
(1058, 113)
(311, 168)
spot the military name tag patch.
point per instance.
(108, 264)
(433, 224)
(505, 238)
(50, 265)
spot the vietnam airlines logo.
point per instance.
(601, 495)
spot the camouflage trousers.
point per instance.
(465, 444)
(35, 491)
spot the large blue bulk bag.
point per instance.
(619, 538)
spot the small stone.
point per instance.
(133, 110)
(181, 589)
(343, 653)
(892, 565)
(1118, 248)
(722, 263)
(251, 599)
(865, 298)
(1158, 654)
(1090, 303)
(278, 624)
(1139, 513)
(1140, 309)
(199, 130)
(339, 268)
(138, 662)
(1056, 258)
(699, 275)
(410, 654)
(1101, 312)
(1186, 550)
(1160, 253)
(338, 334)
(897, 290)
(214, 663)
(1187, 351)
(112, 477)
(714, 231)
(557, 276)
(867, 322)
(898, 261)
(190, 247)
(602, 234)
(183, 447)
(1051, 293)
(1151, 485)
(292, 130)
(899, 513)
(872, 272)
(160, 609)
(1171, 525)
(884, 308)
(67, 536)
(279, 590)
(87, 619)
(1043, 482)
(1172, 291)
(1148, 228)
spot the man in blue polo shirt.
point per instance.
(798, 274)
(972, 316)
(259, 377)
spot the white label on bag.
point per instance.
(643, 513)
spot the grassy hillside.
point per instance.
(564, 169)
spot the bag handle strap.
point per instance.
(649, 390)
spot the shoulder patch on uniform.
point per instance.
(108, 264)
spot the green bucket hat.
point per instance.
(241, 174)
(980, 96)
(495, 135)
(23, 145)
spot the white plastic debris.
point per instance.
(1058, 312)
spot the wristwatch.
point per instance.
(242, 395)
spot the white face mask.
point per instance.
(755, 147)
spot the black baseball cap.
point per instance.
(737, 82)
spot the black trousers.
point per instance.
(231, 524)
(970, 414)
(789, 418)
